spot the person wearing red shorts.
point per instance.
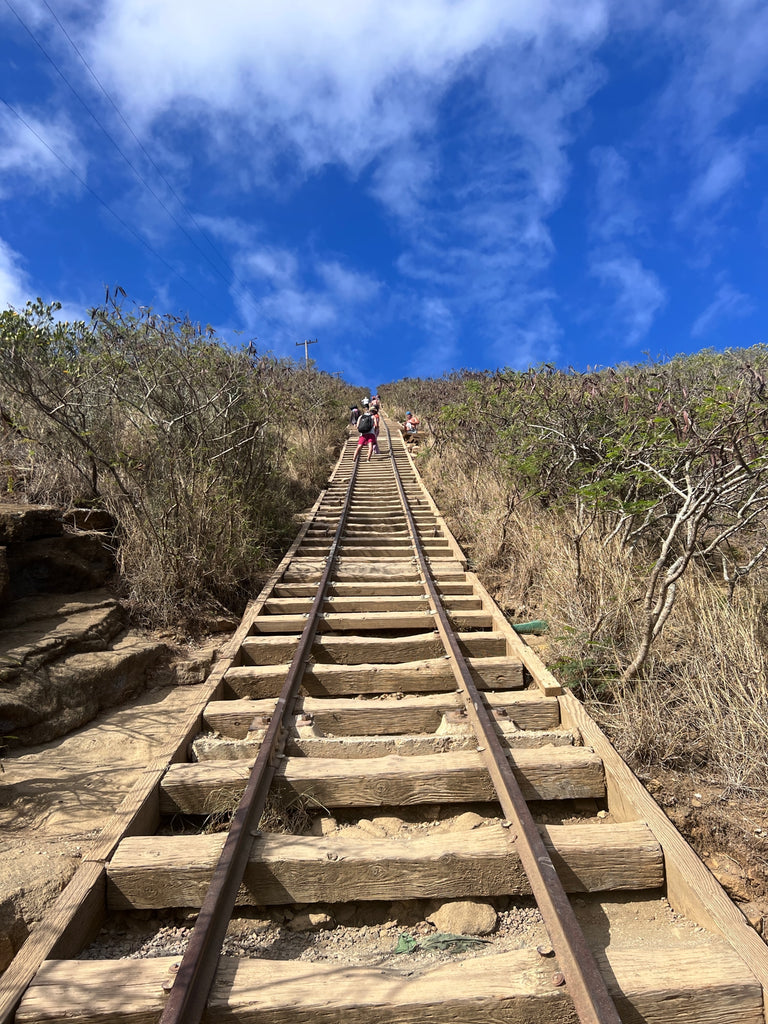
(370, 440)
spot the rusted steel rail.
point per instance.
(586, 986)
(197, 970)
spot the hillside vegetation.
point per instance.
(628, 507)
(202, 453)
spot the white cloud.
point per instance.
(616, 214)
(720, 49)
(722, 54)
(485, 240)
(294, 296)
(403, 178)
(279, 90)
(338, 81)
(727, 304)
(348, 285)
(278, 266)
(725, 169)
(639, 294)
(15, 288)
(27, 153)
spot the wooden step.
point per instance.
(372, 650)
(156, 872)
(427, 676)
(676, 984)
(356, 570)
(368, 600)
(303, 743)
(346, 716)
(370, 621)
(558, 773)
(414, 589)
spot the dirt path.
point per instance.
(55, 797)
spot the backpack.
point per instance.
(365, 423)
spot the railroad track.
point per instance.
(374, 678)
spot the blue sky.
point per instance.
(421, 185)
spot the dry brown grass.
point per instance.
(702, 704)
(706, 706)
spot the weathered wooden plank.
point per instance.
(367, 650)
(691, 888)
(358, 570)
(546, 774)
(419, 496)
(353, 589)
(671, 985)
(153, 873)
(385, 539)
(429, 676)
(370, 621)
(516, 646)
(366, 601)
(346, 716)
(72, 921)
(208, 747)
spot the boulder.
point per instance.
(730, 874)
(464, 917)
(20, 523)
(309, 922)
(73, 690)
(64, 564)
(5, 579)
(91, 519)
(35, 631)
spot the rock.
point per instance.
(245, 926)
(310, 922)
(755, 913)
(73, 690)
(453, 723)
(97, 519)
(464, 917)
(323, 826)
(191, 669)
(5, 578)
(370, 828)
(729, 874)
(217, 748)
(13, 932)
(390, 826)
(30, 884)
(28, 522)
(37, 630)
(463, 822)
(64, 565)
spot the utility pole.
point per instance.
(306, 343)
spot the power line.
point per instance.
(106, 205)
(139, 143)
(135, 171)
